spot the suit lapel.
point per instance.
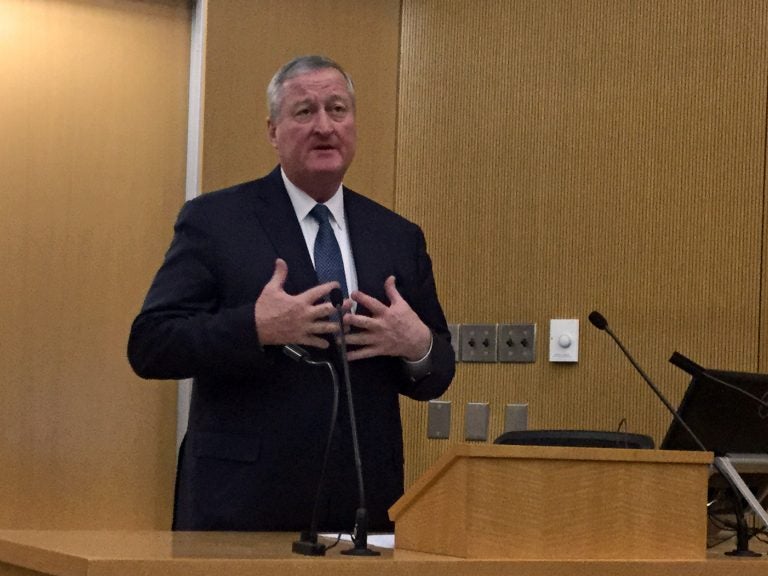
(278, 220)
(372, 263)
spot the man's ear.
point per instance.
(272, 132)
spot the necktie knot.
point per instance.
(321, 213)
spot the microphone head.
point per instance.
(598, 320)
(337, 298)
(686, 364)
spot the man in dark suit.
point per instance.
(238, 283)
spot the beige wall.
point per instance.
(589, 155)
(561, 156)
(92, 157)
(248, 40)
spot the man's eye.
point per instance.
(338, 110)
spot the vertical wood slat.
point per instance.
(249, 40)
(570, 156)
(93, 115)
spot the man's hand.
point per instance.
(394, 330)
(285, 319)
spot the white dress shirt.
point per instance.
(303, 204)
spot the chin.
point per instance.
(327, 169)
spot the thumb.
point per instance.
(280, 274)
(391, 290)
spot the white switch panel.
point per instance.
(563, 340)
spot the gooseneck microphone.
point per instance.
(307, 543)
(720, 463)
(599, 322)
(360, 532)
(689, 366)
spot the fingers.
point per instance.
(312, 295)
(316, 342)
(362, 346)
(321, 311)
(317, 331)
(319, 292)
(359, 321)
(376, 308)
(360, 354)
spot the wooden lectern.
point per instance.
(548, 502)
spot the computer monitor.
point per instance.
(725, 420)
(728, 422)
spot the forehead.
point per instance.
(316, 83)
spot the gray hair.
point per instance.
(297, 67)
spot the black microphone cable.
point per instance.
(360, 532)
(307, 543)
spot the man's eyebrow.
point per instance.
(303, 102)
(339, 97)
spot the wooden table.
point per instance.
(115, 553)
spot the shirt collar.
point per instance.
(303, 202)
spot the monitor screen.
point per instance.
(725, 420)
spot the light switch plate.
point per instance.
(478, 342)
(476, 421)
(515, 417)
(439, 419)
(563, 340)
(517, 343)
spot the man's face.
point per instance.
(314, 133)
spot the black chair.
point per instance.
(580, 438)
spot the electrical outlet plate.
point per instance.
(515, 417)
(454, 330)
(439, 419)
(517, 343)
(476, 421)
(478, 342)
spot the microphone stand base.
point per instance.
(308, 545)
(360, 534)
(742, 553)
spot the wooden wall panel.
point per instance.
(569, 156)
(92, 157)
(249, 40)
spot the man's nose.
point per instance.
(324, 123)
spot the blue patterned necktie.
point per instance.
(328, 262)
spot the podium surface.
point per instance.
(116, 553)
(533, 502)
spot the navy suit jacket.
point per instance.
(259, 421)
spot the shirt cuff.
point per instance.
(418, 369)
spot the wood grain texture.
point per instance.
(109, 553)
(249, 40)
(570, 156)
(514, 501)
(93, 112)
(561, 157)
